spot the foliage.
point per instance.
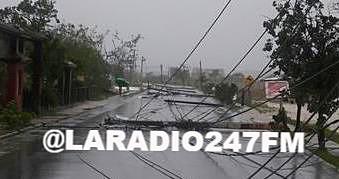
(66, 42)
(11, 118)
(182, 75)
(35, 15)
(225, 92)
(303, 42)
(208, 87)
(50, 97)
(123, 54)
(117, 70)
(281, 117)
(82, 46)
(327, 156)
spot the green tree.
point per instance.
(303, 42)
(225, 92)
(66, 42)
(34, 15)
(123, 54)
(81, 45)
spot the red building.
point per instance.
(12, 51)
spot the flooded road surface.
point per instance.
(24, 157)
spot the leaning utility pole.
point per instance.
(161, 68)
(201, 80)
(142, 68)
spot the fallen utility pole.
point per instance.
(178, 90)
(191, 102)
(191, 124)
(181, 90)
(180, 93)
(175, 87)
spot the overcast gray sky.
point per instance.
(171, 28)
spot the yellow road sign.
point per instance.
(248, 80)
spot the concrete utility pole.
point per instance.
(142, 68)
(201, 76)
(134, 78)
(161, 68)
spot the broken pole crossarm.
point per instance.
(180, 93)
(191, 102)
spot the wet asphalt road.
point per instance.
(24, 157)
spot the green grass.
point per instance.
(323, 154)
(334, 138)
(309, 127)
(327, 156)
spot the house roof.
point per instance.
(20, 32)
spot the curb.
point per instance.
(35, 126)
(20, 131)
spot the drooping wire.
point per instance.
(189, 55)
(156, 166)
(93, 167)
(275, 97)
(313, 133)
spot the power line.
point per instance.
(311, 136)
(268, 100)
(190, 54)
(240, 61)
(308, 158)
(234, 103)
(304, 81)
(156, 166)
(249, 159)
(246, 54)
(235, 67)
(285, 41)
(313, 133)
(93, 167)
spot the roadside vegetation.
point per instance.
(327, 156)
(13, 119)
(305, 41)
(66, 46)
(303, 45)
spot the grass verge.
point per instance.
(327, 156)
(323, 154)
(328, 132)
